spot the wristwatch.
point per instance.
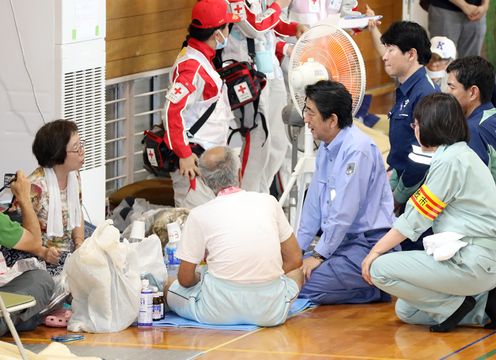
(317, 256)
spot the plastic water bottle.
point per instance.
(174, 232)
(264, 57)
(146, 305)
(137, 231)
(170, 253)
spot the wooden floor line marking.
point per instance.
(301, 354)
(116, 344)
(226, 343)
(467, 346)
(242, 336)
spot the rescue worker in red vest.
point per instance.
(268, 146)
(196, 86)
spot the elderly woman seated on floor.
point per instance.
(452, 282)
(56, 193)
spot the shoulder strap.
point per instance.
(251, 48)
(199, 123)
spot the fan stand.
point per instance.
(301, 176)
(314, 58)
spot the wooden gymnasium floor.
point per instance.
(327, 332)
(349, 332)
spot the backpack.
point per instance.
(244, 83)
(158, 159)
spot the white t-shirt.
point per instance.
(242, 232)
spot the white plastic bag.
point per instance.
(103, 277)
(151, 259)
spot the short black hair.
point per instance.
(202, 34)
(408, 35)
(474, 70)
(50, 142)
(331, 97)
(441, 120)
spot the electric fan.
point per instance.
(325, 52)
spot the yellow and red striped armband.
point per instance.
(426, 203)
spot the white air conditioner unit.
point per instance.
(62, 45)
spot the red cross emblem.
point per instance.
(238, 8)
(177, 91)
(151, 154)
(241, 89)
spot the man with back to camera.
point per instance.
(471, 82)
(349, 198)
(407, 51)
(253, 257)
(37, 283)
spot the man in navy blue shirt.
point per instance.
(471, 82)
(407, 51)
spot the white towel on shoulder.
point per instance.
(54, 222)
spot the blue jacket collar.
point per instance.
(477, 113)
(412, 80)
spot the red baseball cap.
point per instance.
(211, 14)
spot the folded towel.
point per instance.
(443, 246)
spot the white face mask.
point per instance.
(221, 45)
(436, 74)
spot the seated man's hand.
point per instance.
(52, 256)
(309, 264)
(189, 166)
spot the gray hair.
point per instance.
(222, 173)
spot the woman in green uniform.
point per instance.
(450, 282)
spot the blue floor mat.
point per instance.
(173, 320)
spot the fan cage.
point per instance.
(336, 50)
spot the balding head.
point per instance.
(219, 168)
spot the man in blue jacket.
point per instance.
(407, 51)
(349, 198)
(471, 82)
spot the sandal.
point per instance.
(58, 318)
